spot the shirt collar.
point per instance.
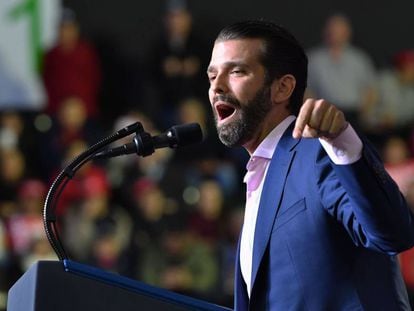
(268, 146)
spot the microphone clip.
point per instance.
(143, 144)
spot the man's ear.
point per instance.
(282, 88)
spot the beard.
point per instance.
(249, 117)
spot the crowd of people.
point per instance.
(171, 219)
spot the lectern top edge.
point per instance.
(138, 287)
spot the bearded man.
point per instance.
(323, 220)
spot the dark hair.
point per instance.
(282, 54)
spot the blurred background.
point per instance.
(73, 72)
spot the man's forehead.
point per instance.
(236, 49)
(241, 44)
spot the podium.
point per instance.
(67, 285)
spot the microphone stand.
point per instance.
(49, 216)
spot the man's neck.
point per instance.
(272, 120)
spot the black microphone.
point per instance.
(144, 144)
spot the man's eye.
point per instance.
(211, 78)
(237, 71)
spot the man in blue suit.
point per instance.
(323, 220)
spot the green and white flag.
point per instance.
(27, 29)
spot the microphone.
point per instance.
(144, 144)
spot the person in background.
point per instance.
(17, 132)
(398, 162)
(177, 63)
(12, 174)
(340, 72)
(70, 124)
(205, 217)
(25, 227)
(72, 68)
(394, 111)
(95, 230)
(233, 218)
(181, 263)
(150, 210)
(119, 168)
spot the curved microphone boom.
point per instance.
(144, 144)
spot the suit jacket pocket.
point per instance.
(287, 214)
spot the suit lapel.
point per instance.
(271, 196)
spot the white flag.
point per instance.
(27, 29)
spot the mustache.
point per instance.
(226, 98)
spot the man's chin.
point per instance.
(231, 134)
(229, 143)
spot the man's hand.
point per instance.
(319, 119)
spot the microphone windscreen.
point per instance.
(187, 134)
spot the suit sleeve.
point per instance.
(368, 203)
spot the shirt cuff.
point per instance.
(344, 149)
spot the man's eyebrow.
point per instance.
(210, 69)
(227, 65)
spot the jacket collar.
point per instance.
(271, 196)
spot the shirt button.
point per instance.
(340, 153)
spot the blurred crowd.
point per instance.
(171, 219)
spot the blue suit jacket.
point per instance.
(327, 235)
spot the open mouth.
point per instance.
(224, 111)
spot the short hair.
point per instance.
(282, 54)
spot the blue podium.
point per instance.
(67, 286)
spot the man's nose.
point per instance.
(220, 84)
